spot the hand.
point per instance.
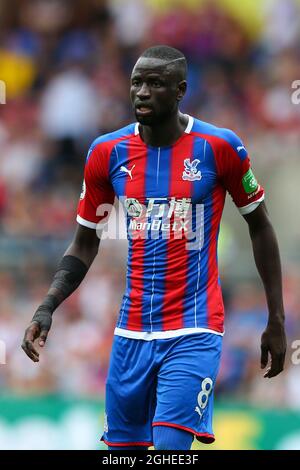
(273, 341)
(38, 328)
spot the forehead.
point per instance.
(147, 65)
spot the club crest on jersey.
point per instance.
(190, 172)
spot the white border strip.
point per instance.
(190, 124)
(152, 286)
(187, 130)
(85, 223)
(251, 207)
(147, 336)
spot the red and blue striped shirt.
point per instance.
(173, 199)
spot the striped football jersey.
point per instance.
(173, 198)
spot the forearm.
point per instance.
(69, 275)
(267, 259)
(71, 270)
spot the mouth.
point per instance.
(143, 110)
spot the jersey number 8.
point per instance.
(206, 388)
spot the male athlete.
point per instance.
(171, 173)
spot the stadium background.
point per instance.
(66, 66)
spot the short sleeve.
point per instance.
(237, 175)
(97, 194)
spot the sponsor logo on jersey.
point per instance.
(157, 225)
(241, 147)
(125, 170)
(249, 182)
(158, 207)
(133, 207)
(190, 172)
(83, 191)
(155, 215)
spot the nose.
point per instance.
(143, 92)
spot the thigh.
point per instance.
(130, 393)
(186, 381)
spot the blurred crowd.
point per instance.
(66, 66)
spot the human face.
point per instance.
(155, 91)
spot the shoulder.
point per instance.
(220, 138)
(100, 151)
(108, 141)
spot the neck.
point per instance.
(165, 133)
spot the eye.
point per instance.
(156, 83)
(135, 82)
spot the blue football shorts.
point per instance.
(162, 382)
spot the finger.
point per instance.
(29, 349)
(277, 364)
(31, 333)
(264, 356)
(43, 338)
(272, 373)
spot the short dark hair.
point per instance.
(170, 55)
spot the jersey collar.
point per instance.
(187, 129)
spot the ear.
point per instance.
(181, 89)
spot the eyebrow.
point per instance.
(150, 76)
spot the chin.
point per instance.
(145, 120)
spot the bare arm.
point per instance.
(267, 259)
(85, 245)
(71, 271)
